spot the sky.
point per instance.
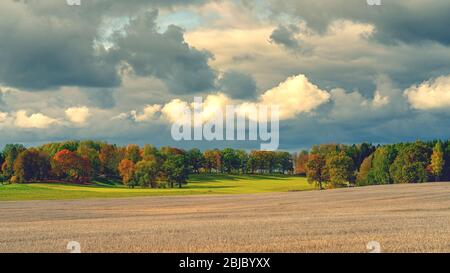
(341, 71)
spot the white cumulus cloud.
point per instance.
(175, 110)
(37, 120)
(148, 114)
(3, 117)
(432, 94)
(294, 96)
(78, 115)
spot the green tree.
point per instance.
(10, 154)
(359, 152)
(437, 161)
(340, 169)
(284, 162)
(243, 161)
(71, 145)
(196, 159)
(270, 161)
(381, 162)
(230, 160)
(176, 170)
(263, 161)
(149, 151)
(410, 164)
(146, 173)
(2, 159)
(408, 172)
(257, 162)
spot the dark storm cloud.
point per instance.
(165, 55)
(38, 52)
(238, 85)
(285, 36)
(2, 103)
(48, 44)
(93, 10)
(406, 21)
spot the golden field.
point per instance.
(402, 218)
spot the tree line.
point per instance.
(335, 165)
(326, 165)
(147, 166)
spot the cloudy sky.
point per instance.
(340, 70)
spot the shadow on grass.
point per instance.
(211, 177)
(235, 177)
(193, 187)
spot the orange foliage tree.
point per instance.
(126, 169)
(71, 166)
(109, 160)
(300, 163)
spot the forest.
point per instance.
(325, 165)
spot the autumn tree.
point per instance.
(90, 150)
(168, 151)
(315, 170)
(127, 170)
(71, 166)
(326, 149)
(259, 161)
(110, 158)
(209, 160)
(364, 150)
(133, 153)
(213, 160)
(300, 163)
(2, 177)
(437, 161)
(32, 165)
(362, 178)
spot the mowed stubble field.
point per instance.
(403, 218)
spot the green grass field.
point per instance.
(198, 184)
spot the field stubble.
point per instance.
(403, 218)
